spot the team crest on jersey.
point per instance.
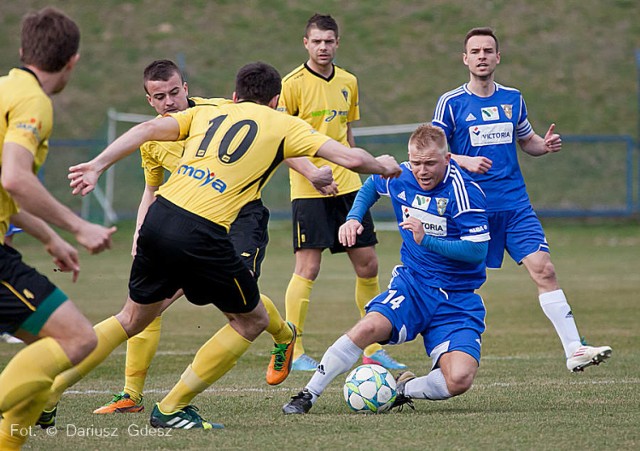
(402, 196)
(508, 110)
(490, 114)
(470, 117)
(441, 203)
(421, 202)
(345, 94)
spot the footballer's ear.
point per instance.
(273, 103)
(234, 97)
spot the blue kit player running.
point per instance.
(442, 220)
(483, 120)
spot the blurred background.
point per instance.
(576, 63)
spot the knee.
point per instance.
(459, 381)
(308, 271)
(367, 268)
(81, 344)
(544, 274)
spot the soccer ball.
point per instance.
(370, 389)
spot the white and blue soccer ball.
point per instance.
(370, 389)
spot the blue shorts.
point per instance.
(517, 231)
(447, 320)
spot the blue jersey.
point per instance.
(489, 127)
(453, 210)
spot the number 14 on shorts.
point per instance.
(392, 299)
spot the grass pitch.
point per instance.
(523, 396)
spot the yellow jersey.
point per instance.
(231, 152)
(26, 118)
(158, 156)
(328, 104)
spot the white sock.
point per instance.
(338, 359)
(432, 386)
(555, 306)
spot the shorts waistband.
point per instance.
(181, 211)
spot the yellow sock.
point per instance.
(367, 289)
(297, 304)
(213, 360)
(278, 328)
(14, 427)
(140, 351)
(30, 371)
(110, 335)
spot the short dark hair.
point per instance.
(480, 31)
(49, 39)
(161, 70)
(258, 82)
(321, 22)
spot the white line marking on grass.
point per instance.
(632, 381)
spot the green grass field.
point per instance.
(523, 397)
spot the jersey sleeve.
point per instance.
(354, 107)
(302, 139)
(523, 128)
(153, 169)
(29, 123)
(184, 119)
(443, 118)
(472, 218)
(288, 101)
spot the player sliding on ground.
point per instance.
(442, 221)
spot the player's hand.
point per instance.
(83, 178)
(415, 226)
(323, 176)
(323, 181)
(349, 231)
(65, 256)
(329, 190)
(552, 141)
(477, 165)
(95, 238)
(391, 168)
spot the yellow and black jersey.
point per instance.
(26, 118)
(158, 156)
(328, 104)
(230, 153)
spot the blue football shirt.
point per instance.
(489, 127)
(453, 210)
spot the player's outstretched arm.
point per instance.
(26, 189)
(84, 176)
(320, 177)
(359, 160)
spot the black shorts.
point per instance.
(250, 235)
(178, 249)
(316, 223)
(27, 298)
